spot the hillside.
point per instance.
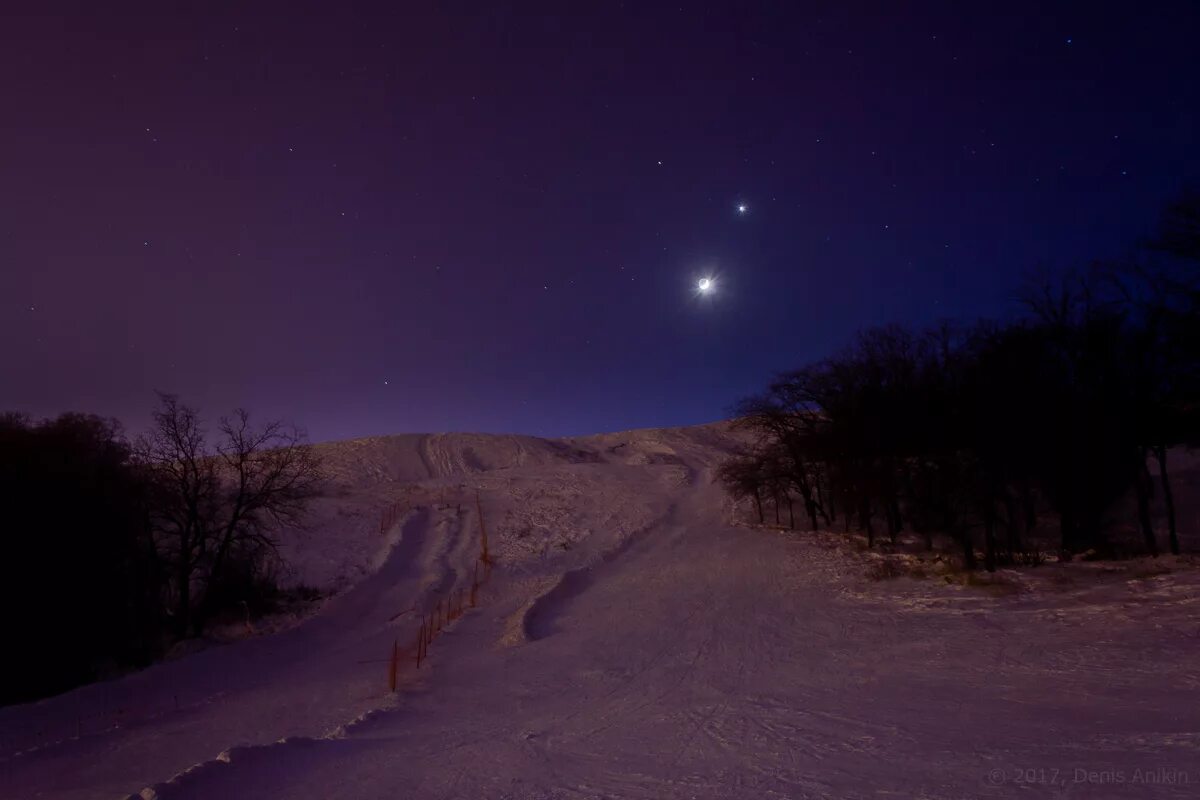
(634, 639)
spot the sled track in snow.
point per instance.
(409, 559)
(539, 618)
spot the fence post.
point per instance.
(487, 559)
(395, 663)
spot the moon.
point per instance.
(706, 285)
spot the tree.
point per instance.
(955, 428)
(1179, 232)
(1089, 374)
(216, 509)
(1166, 296)
(81, 589)
(742, 476)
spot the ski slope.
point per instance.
(633, 641)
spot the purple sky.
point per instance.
(377, 218)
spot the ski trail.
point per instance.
(538, 621)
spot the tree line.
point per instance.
(977, 431)
(114, 549)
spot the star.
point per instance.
(742, 208)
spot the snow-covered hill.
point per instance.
(632, 641)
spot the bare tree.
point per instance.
(214, 504)
(742, 477)
(185, 495)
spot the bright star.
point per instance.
(742, 208)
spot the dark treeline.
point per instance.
(976, 431)
(80, 583)
(113, 549)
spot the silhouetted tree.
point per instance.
(961, 430)
(81, 589)
(742, 477)
(1179, 231)
(1165, 297)
(219, 506)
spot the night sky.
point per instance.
(490, 216)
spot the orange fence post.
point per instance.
(389, 516)
(487, 559)
(392, 667)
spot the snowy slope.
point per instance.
(632, 642)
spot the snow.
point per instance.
(637, 640)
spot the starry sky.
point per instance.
(491, 216)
